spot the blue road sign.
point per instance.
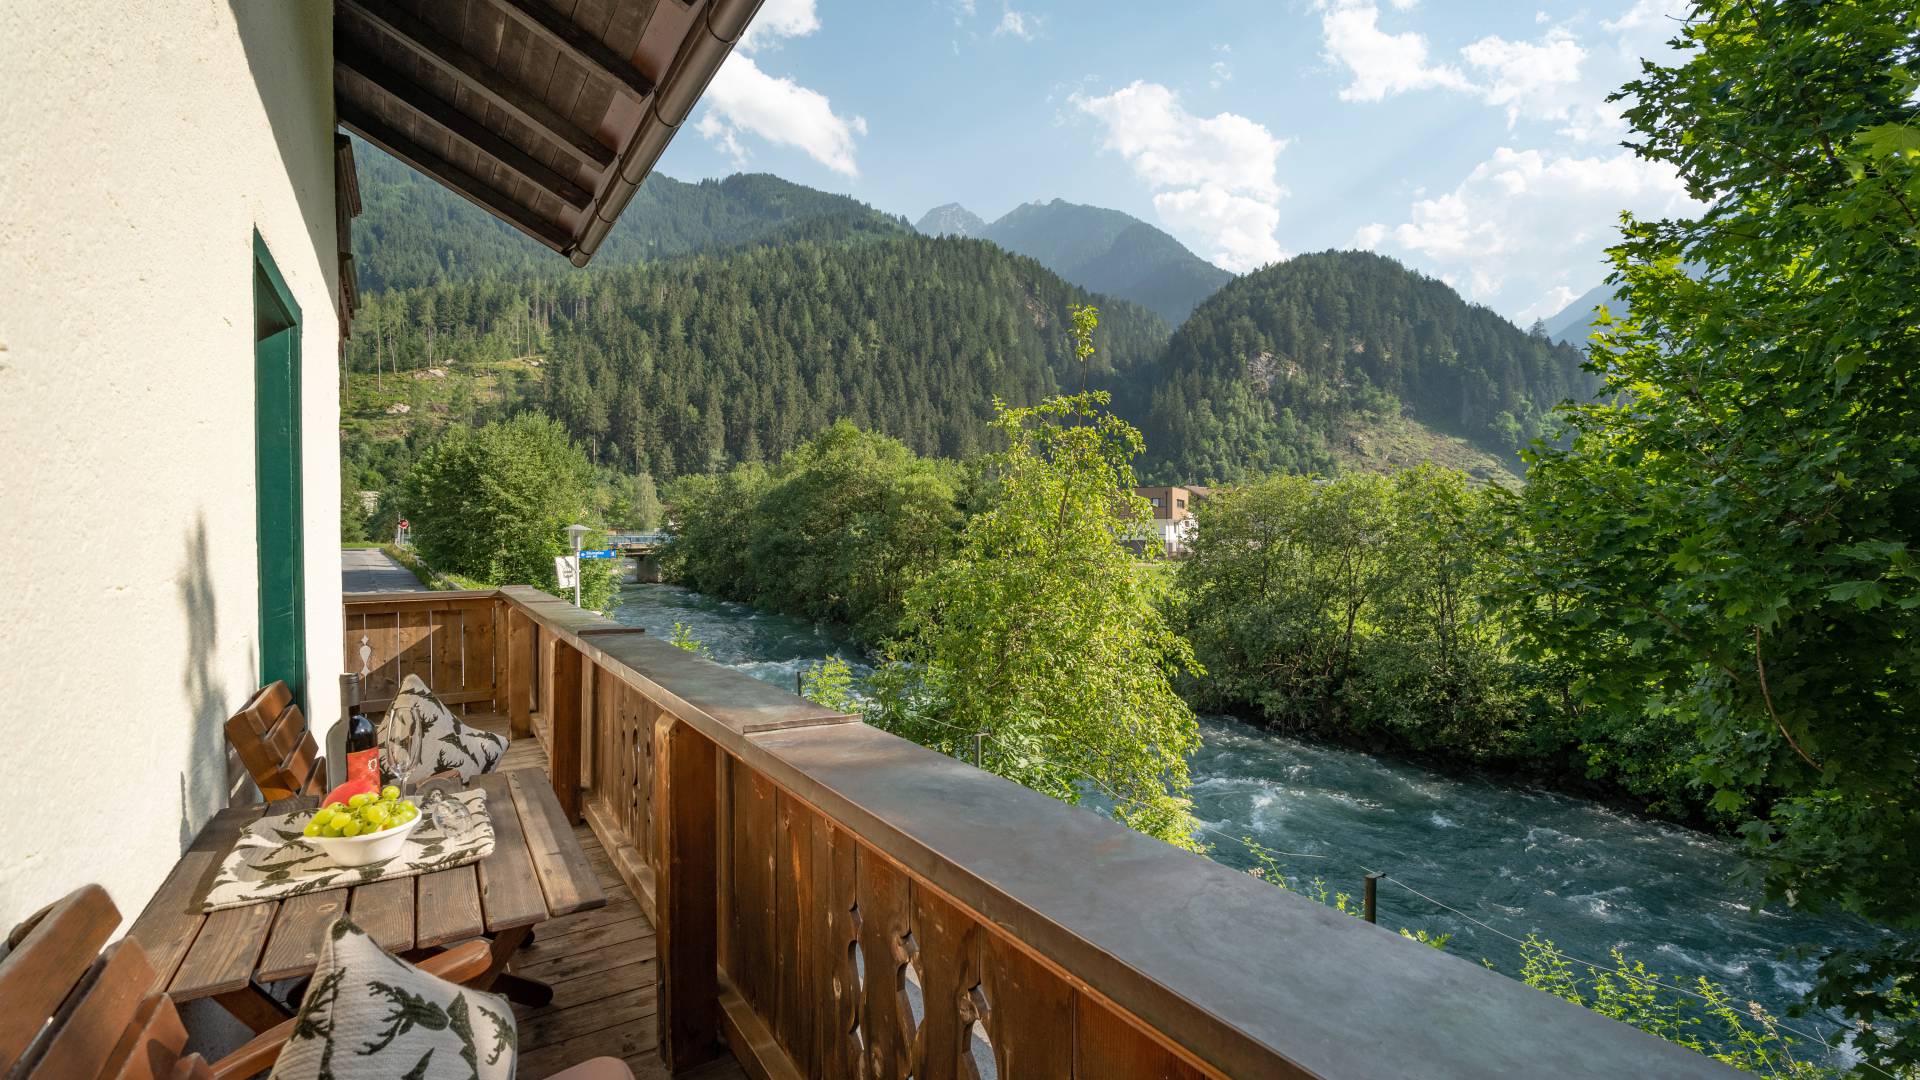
(602, 553)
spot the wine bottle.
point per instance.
(360, 734)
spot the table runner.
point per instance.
(273, 861)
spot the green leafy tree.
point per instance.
(682, 638)
(1703, 1017)
(353, 515)
(830, 683)
(1042, 630)
(493, 504)
(1354, 607)
(838, 530)
(644, 509)
(1726, 548)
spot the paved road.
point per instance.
(373, 570)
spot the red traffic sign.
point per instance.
(403, 524)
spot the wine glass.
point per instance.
(449, 815)
(400, 760)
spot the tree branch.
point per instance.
(1767, 695)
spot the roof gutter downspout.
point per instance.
(701, 54)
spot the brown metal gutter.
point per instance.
(701, 54)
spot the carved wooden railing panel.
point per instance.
(800, 892)
(449, 639)
(832, 901)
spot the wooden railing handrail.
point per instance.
(1239, 978)
(435, 598)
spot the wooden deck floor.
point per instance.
(601, 966)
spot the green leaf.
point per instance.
(1889, 140)
(1866, 595)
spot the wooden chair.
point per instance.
(72, 1013)
(275, 744)
(76, 1013)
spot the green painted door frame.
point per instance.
(279, 517)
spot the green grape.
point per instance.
(351, 828)
(333, 831)
(389, 793)
(312, 829)
(360, 800)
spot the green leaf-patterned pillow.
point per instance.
(444, 742)
(368, 1014)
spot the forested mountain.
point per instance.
(414, 232)
(1271, 374)
(951, 220)
(1573, 324)
(694, 363)
(783, 308)
(1110, 252)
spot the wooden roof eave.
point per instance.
(426, 89)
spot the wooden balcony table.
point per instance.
(537, 872)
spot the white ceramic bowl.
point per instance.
(361, 850)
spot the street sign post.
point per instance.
(575, 532)
(597, 553)
(567, 570)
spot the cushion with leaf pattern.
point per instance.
(444, 742)
(368, 1014)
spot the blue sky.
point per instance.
(1469, 139)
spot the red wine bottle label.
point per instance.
(363, 774)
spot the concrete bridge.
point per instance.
(641, 548)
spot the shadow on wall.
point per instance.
(289, 49)
(206, 783)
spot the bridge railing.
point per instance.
(833, 901)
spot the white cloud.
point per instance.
(1555, 77)
(1523, 219)
(1553, 303)
(1536, 79)
(1024, 25)
(1215, 177)
(742, 99)
(1661, 15)
(780, 19)
(1381, 64)
(1241, 228)
(1221, 69)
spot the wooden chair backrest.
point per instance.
(74, 1011)
(274, 743)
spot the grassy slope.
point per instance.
(1388, 444)
(364, 408)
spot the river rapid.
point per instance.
(1508, 860)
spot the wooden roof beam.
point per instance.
(351, 57)
(473, 74)
(582, 47)
(358, 120)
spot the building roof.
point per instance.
(546, 113)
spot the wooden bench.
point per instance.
(274, 743)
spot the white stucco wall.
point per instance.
(143, 145)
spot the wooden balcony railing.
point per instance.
(833, 901)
